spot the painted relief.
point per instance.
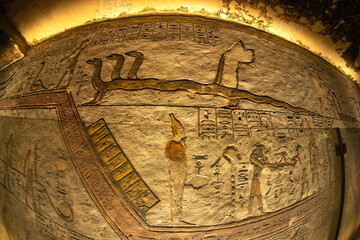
(121, 169)
(169, 128)
(175, 151)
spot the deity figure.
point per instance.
(72, 60)
(314, 159)
(175, 151)
(260, 161)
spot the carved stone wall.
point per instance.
(173, 127)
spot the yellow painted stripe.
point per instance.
(136, 190)
(122, 171)
(146, 199)
(110, 152)
(116, 163)
(128, 180)
(119, 166)
(100, 133)
(95, 126)
(103, 143)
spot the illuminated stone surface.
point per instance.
(175, 128)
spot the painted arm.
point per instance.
(167, 148)
(268, 164)
(256, 161)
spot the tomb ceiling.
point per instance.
(330, 29)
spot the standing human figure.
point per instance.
(175, 151)
(72, 60)
(8, 162)
(30, 173)
(314, 159)
(301, 157)
(259, 161)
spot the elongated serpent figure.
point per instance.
(135, 84)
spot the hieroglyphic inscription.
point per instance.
(297, 231)
(321, 122)
(265, 120)
(103, 36)
(120, 168)
(213, 35)
(187, 31)
(200, 33)
(158, 31)
(173, 32)
(207, 123)
(280, 125)
(242, 179)
(253, 120)
(227, 123)
(133, 32)
(146, 31)
(120, 33)
(112, 206)
(241, 127)
(51, 230)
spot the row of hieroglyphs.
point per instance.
(157, 31)
(222, 123)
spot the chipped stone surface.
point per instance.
(171, 127)
(327, 28)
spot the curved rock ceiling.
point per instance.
(328, 28)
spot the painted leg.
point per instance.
(93, 101)
(307, 189)
(102, 94)
(259, 197)
(318, 182)
(312, 180)
(250, 204)
(70, 78)
(177, 173)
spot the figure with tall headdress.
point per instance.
(314, 159)
(175, 151)
(72, 60)
(259, 161)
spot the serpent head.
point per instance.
(93, 61)
(135, 54)
(115, 56)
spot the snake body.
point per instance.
(178, 85)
